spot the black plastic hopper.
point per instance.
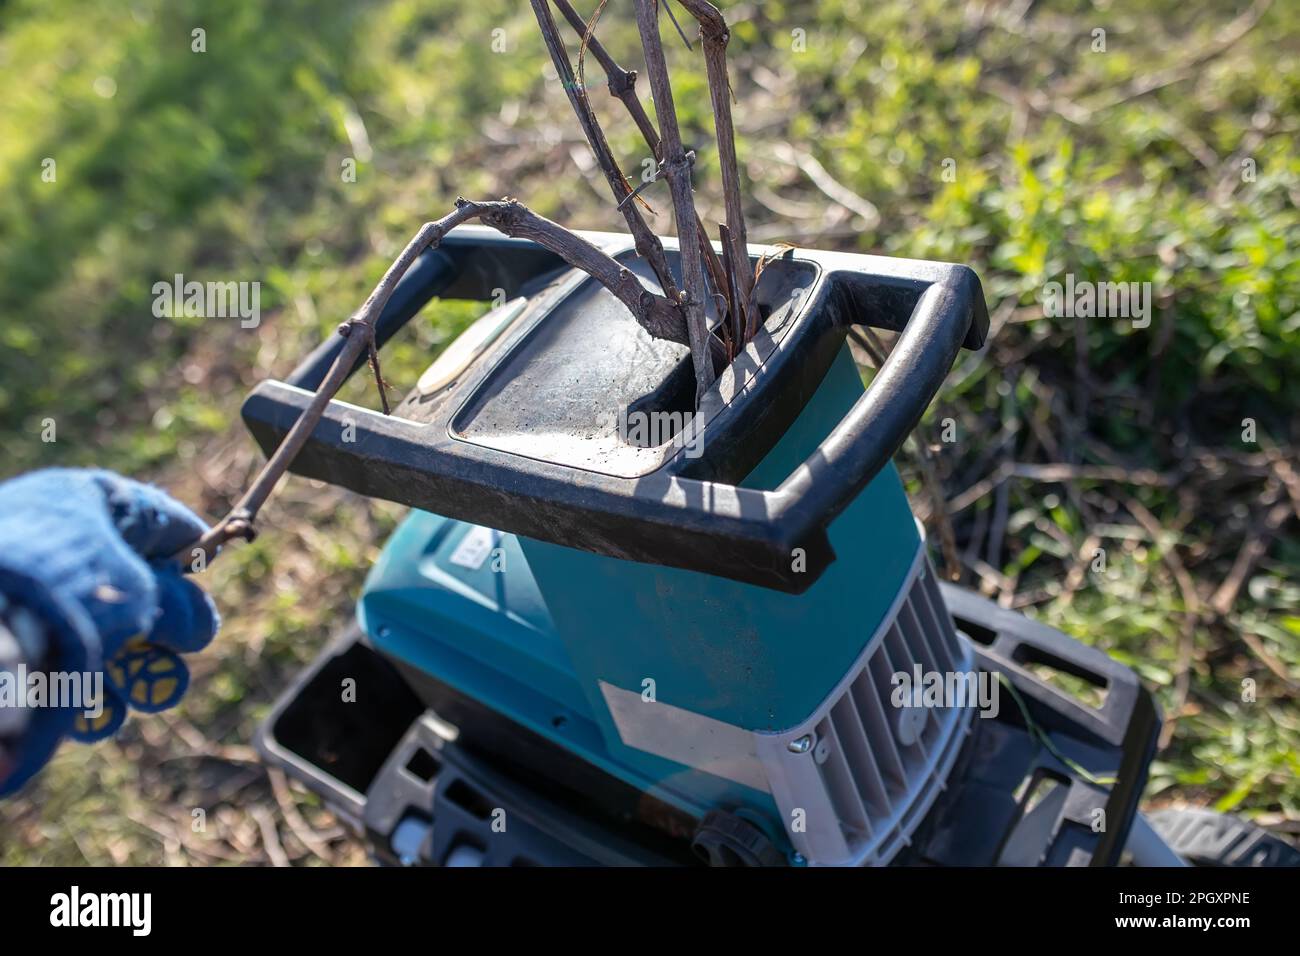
(526, 440)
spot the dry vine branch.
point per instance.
(660, 317)
(678, 316)
(622, 86)
(677, 168)
(731, 277)
(648, 245)
(714, 33)
(695, 295)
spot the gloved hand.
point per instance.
(88, 554)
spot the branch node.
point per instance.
(622, 84)
(345, 328)
(239, 524)
(685, 161)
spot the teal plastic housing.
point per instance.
(533, 630)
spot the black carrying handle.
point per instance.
(948, 314)
(714, 527)
(752, 535)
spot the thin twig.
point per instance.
(1191, 613)
(735, 323)
(1078, 572)
(1055, 472)
(647, 243)
(827, 184)
(668, 8)
(270, 836)
(1225, 37)
(588, 32)
(715, 36)
(678, 170)
(1256, 543)
(930, 478)
(1279, 669)
(292, 816)
(622, 86)
(1285, 472)
(380, 384)
(239, 522)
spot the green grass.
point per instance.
(226, 165)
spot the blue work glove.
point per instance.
(87, 554)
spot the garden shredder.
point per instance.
(592, 643)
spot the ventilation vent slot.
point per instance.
(874, 767)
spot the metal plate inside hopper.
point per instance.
(563, 391)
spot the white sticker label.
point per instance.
(474, 547)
